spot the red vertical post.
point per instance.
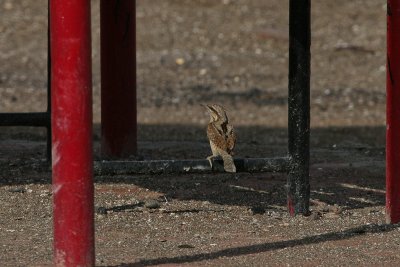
(393, 113)
(118, 77)
(71, 116)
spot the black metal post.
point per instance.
(299, 106)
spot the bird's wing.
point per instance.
(231, 139)
(216, 137)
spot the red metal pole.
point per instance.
(393, 113)
(118, 78)
(72, 132)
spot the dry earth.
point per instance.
(233, 52)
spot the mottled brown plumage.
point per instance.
(222, 137)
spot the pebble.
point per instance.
(336, 209)
(315, 216)
(8, 6)
(152, 204)
(179, 61)
(257, 210)
(101, 210)
(203, 72)
(17, 190)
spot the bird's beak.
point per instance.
(207, 107)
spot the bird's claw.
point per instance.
(210, 160)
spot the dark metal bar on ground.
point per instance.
(37, 119)
(299, 106)
(188, 166)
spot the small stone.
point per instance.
(17, 190)
(336, 209)
(180, 61)
(152, 204)
(315, 215)
(257, 210)
(203, 72)
(101, 210)
(8, 6)
(325, 208)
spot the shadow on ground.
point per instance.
(347, 165)
(264, 247)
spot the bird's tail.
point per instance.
(229, 164)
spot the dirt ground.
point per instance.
(232, 52)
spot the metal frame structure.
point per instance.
(71, 117)
(119, 98)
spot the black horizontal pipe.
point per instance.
(188, 166)
(39, 119)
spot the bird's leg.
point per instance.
(210, 158)
(214, 154)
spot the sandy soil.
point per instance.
(233, 52)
